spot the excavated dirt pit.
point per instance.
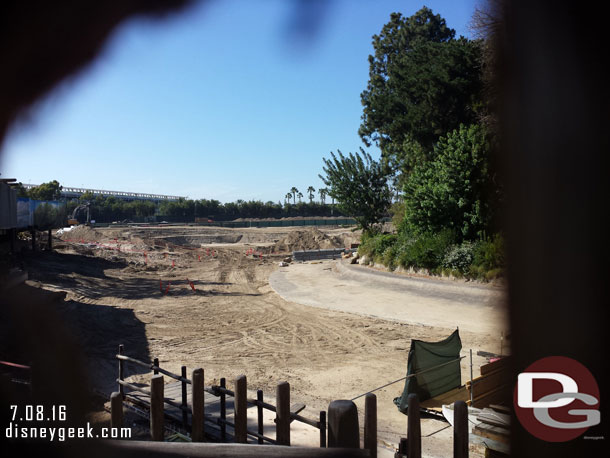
(233, 323)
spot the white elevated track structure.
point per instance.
(74, 193)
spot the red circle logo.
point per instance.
(556, 399)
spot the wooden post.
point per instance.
(50, 241)
(282, 414)
(343, 430)
(156, 364)
(460, 430)
(156, 407)
(322, 428)
(198, 401)
(402, 448)
(259, 408)
(413, 427)
(116, 410)
(121, 371)
(184, 405)
(223, 410)
(370, 424)
(241, 404)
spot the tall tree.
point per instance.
(287, 197)
(423, 83)
(294, 192)
(311, 192)
(322, 192)
(359, 184)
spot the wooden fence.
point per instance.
(154, 397)
(339, 431)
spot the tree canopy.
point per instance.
(360, 186)
(46, 191)
(423, 83)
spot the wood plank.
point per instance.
(490, 367)
(492, 432)
(489, 381)
(501, 408)
(457, 394)
(500, 394)
(489, 413)
(194, 449)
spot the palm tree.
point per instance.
(294, 192)
(300, 196)
(323, 192)
(287, 197)
(311, 192)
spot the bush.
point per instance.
(375, 245)
(460, 257)
(424, 251)
(490, 253)
(489, 258)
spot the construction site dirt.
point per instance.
(202, 297)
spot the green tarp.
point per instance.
(427, 355)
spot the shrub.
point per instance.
(375, 245)
(424, 251)
(460, 257)
(490, 253)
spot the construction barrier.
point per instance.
(314, 255)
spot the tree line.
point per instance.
(107, 209)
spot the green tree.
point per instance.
(294, 191)
(46, 191)
(311, 192)
(423, 83)
(287, 197)
(360, 186)
(322, 192)
(452, 191)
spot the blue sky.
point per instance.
(224, 101)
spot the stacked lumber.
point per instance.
(494, 428)
(493, 385)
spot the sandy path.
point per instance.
(336, 285)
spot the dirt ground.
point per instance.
(132, 286)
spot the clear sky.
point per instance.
(224, 101)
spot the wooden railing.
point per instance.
(341, 426)
(284, 415)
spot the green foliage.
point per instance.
(375, 244)
(450, 191)
(422, 83)
(460, 257)
(438, 253)
(47, 216)
(397, 210)
(489, 256)
(360, 186)
(425, 251)
(46, 191)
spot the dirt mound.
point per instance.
(308, 239)
(84, 233)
